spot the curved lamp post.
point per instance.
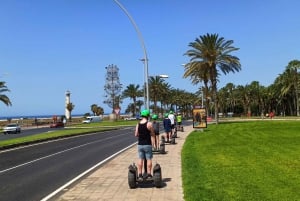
(145, 59)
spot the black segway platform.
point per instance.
(161, 149)
(172, 140)
(133, 177)
(180, 128)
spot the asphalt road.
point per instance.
(33, 172)
(27, 132)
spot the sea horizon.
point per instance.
(41, 116)
(35, 116)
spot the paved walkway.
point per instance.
(110, 181)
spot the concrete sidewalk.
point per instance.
(110, 181)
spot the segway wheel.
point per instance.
(172, 140)
(157, 176)
(132, 177)
(162, 148)
(163, 140)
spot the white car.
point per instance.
(130, 118)
(12, 128)
(91, 119)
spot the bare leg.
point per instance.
(157, 141)
(145, 166)
(167, 136)
(149, 166)
(140, 164)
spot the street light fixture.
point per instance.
(163, 76)
(297, 92)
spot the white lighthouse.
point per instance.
(68, 101)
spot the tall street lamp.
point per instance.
(145, 59)
(297, 92)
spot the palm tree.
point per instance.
(209, 55)
(3, 97)
(164, 96)
(244, 98)
(99, 111)
(294, 66)
(139, 104)
(94, 108)
(132, 91)
(282, 89)
(156, 89)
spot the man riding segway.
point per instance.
(145, 133)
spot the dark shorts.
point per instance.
(167, 130)
(156, 133)
(172, 126)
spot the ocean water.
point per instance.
(35, 116)
(40, 116)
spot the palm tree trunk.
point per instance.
(216, 108)
(215, 98)
(134, 105)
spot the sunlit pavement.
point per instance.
(110, 181)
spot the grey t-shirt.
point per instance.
(156, 127)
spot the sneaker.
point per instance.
(149, 177)
(140, 178)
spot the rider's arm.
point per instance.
(136, 132)
(152, 133)
(150, 128)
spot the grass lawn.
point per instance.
(78, 129)
(257, 160)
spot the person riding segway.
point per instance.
(145, 133)
(155, 124)
(179, 122)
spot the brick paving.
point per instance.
(110, 183)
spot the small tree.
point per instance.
(94, 108)
(112, 86)
(70, 107)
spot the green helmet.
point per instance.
(166, 115)
(145, 113)
(154, 116)
(171, 112)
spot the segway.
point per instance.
(174, 135)
(133, 176)
(161, 149)
(172, 140)
(180, 128)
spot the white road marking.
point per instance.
(57, 153)
(83, 174)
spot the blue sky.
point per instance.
(51, 46)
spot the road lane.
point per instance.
(30, 173)
(28, 132)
